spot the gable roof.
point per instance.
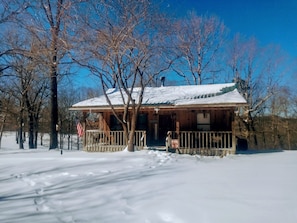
(179, 96)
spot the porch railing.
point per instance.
(204, 142)
(110, 141)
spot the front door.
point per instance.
(165, 125)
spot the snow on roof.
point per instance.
(186, 95)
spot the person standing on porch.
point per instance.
(168, 140)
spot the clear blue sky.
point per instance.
(269, 21)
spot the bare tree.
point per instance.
(199, 40)
(14, 85)
(54, 12)
(124, 47)
(279, 108)
(5, 110)
(10, 11)
(26, 82)
(35, 98)
(49, 23)
(68, 95)
(258, 73)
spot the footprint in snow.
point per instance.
(39, 191)
(40, 204)
(30, 182)
(18, 176)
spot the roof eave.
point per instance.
(221, 105)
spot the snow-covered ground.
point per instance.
(145, 186)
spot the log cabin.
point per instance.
(189, 119)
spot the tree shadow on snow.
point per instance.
(254, 151)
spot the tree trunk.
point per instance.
(41, 139)
(2, 120)
(54, 113)
(36, 126)
(132, 130)
(255, 139)
(54, 95)
(35, 139)
(31, 131)
(130, 141)
(20, 134)
(126, 133)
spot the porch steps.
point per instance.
(205, 151)
(107, 148)
(195, 151)
(104, 148)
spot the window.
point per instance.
(203, 121)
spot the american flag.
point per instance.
(80, 129)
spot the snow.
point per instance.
(147, 186)
(174, 95)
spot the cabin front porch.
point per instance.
(209, 143)
(201, 131)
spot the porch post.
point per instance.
(233, 138)
(177, 128)
(84, 138)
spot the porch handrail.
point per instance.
(204, 139)
(113, 138)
